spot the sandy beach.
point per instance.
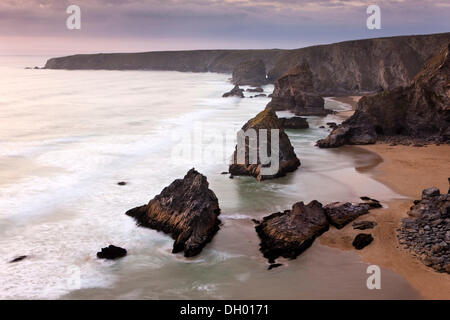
(407, 171)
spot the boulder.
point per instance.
(235, 92)
(362, 240)
(287, 234)
(418, 111)
(294, 91)
(250, 72)
(340, 214)
(287, 159)
(187, 210)
(294, 123)
(111, 253)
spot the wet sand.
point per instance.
(407, 171)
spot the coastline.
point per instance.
(406, 170)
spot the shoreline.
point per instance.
(406, 170)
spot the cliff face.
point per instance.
(340, 68)
(252, 73)
(420, 110)
(295, 91)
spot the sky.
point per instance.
(38, 27)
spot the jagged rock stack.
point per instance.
(187, 210)
(294, 91)
(420, 111)
(287, 159)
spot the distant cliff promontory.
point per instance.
(341, 68)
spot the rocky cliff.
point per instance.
(340, 68)
(294, 91)
(418, 111)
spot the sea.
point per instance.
(68, 137)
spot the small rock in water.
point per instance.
(111, 253)
(17, 259)
(256, 221)
(274, 265)
(362, 240)
(224, 172)
(363, 225)
(121, 183)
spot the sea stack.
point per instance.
(250, 72)
(287, 159)
(420, 111)
(294, 91)
(187, 210)
(287, 234)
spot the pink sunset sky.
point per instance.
(38, 27)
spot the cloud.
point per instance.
(237, 23)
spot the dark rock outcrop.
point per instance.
(287, 159)
(287, 234)
(235, 92)
(294, 91)
(111, 253)
(420, 110)
(187, 210)
(426, 233)
(294, 123)
(121, 183)
(349, 67)
(363, 225)
(251, 72)
(362, 240)
(340, 214)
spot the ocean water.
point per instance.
(68, 137)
